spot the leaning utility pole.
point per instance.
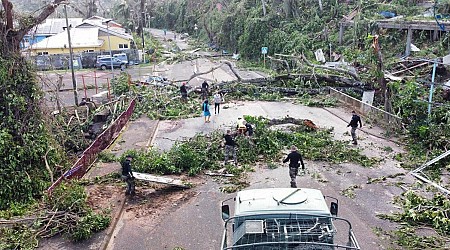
(142, 25)
(74, 81)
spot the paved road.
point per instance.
(197, 224)
(90, 82)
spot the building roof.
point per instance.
(114, 31)
(80, 38)
(53, 26)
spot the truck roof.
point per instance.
(281, 201)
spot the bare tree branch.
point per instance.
(47, 11)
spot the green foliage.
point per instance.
(72, 198)
(205, 151)
(165, 103)
(120, 84)
(318, 101)
(65, 212)
(16, 209)
(24, 135)
(68, 197)
(418, 210)
(430, 130)
(408, 237)
(106, 156)
(17, 237)
(88, 225)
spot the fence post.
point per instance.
(95, 81)
(84, 86)
(109, 89)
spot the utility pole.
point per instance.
(74, 81)
(142, 25)
(430, 98)
(109, 44)
(142, 33)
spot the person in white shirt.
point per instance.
(217, 101)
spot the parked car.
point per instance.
(184, 36)
(105, 63)
(155, 80)
(122, 56)
(43, 64)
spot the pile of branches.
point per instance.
(64, 213)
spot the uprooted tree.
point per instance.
(26, 145)
(30, 152)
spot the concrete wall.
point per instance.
(384, 119)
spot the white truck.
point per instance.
(285, 218)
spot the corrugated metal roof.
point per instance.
(114, 31)
(53, 26)
(80, 37)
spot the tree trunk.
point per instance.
(264, 7)
(385, 95)
(13, 36)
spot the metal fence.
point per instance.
(81, 166)
(84, 60)
(376, 115)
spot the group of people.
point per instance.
(218, 99)
(294, 158)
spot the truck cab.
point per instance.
(285, 218)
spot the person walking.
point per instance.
(205, 89)
(127, 175)
(183, 92)
(217, 102)
(206, 113)
(294, 157)
(230, 147)
(354, 124)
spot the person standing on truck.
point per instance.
(354, 124)
(127, 175)
(294, 157)
(230, 147)
(183, 92)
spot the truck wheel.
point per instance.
(103, 67)
(122, 67)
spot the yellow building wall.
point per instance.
(53, 51)
(115, 41)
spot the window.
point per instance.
(42, 53)
(90, 50)
(123, 46)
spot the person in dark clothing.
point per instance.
(183, 92)
(248, 129)
(127, 175)
(205, 88)
(354, 124)
(294, 157)
(230, 147)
